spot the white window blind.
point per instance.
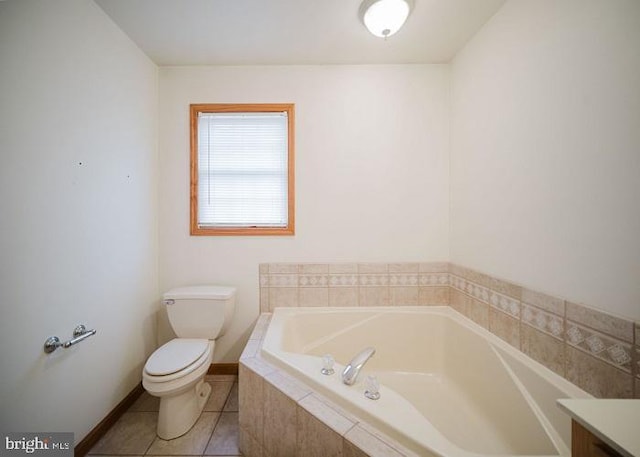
(242, 169)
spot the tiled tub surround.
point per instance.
(448, 386)
(594, 350)
(281, 416)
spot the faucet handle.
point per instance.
(372, 387)
(327, 365)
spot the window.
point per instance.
(242, 169)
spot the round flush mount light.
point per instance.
(383, 18)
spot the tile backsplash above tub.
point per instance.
(353, 284)
(595, 350)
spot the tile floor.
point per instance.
(215, 432)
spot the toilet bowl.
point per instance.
(175, 371)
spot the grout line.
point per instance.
(213, 430)
(152, 441)
(226, 400)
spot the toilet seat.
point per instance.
(176, 359)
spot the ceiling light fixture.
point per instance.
(383, 18)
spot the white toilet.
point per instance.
(175, 371)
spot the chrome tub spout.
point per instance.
(351, 371)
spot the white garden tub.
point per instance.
(448, 386)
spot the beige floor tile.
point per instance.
(131, 434)
(145, 402)
(193, 442)
(219, 393)
(224, 440)
(232, 400)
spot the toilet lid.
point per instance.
(175, 355)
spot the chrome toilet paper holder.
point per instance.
(79, 333)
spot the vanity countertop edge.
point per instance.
(614, 421)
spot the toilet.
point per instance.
(175, 371)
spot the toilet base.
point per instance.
(178, 413)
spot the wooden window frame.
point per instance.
(195, 109)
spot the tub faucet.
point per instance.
(351, 371)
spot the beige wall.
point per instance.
(371, 173)
(78, 218)
(545, 155)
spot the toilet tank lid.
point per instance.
(200, 293)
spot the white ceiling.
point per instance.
(269, 32)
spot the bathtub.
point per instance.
(448, 387)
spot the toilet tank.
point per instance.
(200, 311)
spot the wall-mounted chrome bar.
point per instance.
(79, 333)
